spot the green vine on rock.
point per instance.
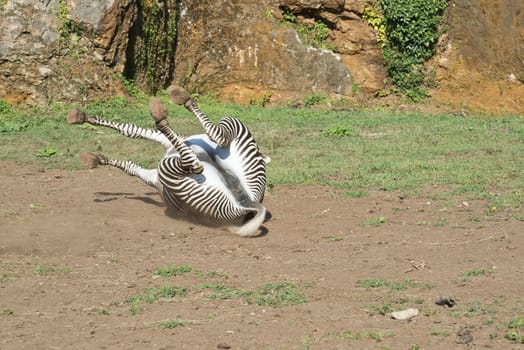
(410, 30)
(156, 44)
(311, 35)
(68, 29)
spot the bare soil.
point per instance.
(101, 234)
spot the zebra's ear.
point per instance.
(76, 116)
(178, 94)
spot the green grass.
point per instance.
(357, 151)
(277, 295)
(271, 294)
(174, 270)
(6, 312)
(371, 283)
(374, 222)
(466, 275)
(515, 331)
(46, 269)
(221, 292)
(377, 336)
(170, 324)
(155, 293)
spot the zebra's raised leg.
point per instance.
(77, 116)
(187, 162)
(148, 176)
(221, 134)
(233, 135)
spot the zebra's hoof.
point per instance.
(178, 94)
(89, 160)
(157, 109)
(76, 116)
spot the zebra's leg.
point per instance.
(77, 116)
(148, 176)
(221, 134)
(187, 163)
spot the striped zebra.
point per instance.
(217, 178)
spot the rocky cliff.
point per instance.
(245, 50)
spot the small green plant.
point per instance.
(314, 35)
(104, 312)
(370, 283)
(373, 15)
(515, 323)
(68, 29)
(277, 295)
(441, 222)
(475, 309)
(439, 333)
(337, 131)
(3, 278)
(46, 152)
(155, 293)
(46, 269)
(373, 222)
(515, 336)
(175, 270)
(334, 238)
(220, 291)
(314, 99)
(263, 100)
(382, 309)
(211, 274)
(466, 275)
(5, 107)
(12, 125)
(7, 312)
(377, 336)
(169, 324)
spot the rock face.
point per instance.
(42, 58)
(261, 56)
(480, 62)
(244, 50)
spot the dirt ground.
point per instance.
(75, 245)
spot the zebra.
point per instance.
(217, 178)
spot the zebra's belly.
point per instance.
(222, 166)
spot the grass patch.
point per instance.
(170, 324)
(272, 294)
(373, 222)
(156, 293)
(7, 312)
(467, 275)
(221, 292)
(277, 295)
(515, 326)
(175, 270)
(439, 333)
(370, 283)
(377, 336)
(47, 269)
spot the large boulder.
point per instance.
(480, 60)
(47, 51)
(241, 48)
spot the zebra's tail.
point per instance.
(252, 222)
